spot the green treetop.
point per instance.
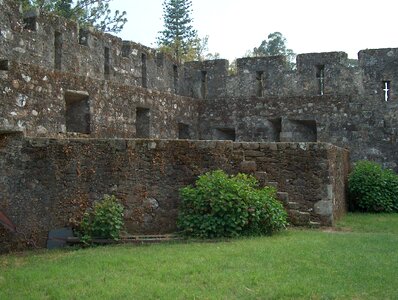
(275, 45)
(178, 37)
(86, 12)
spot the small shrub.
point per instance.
(373, 189)
(227, 206)
(104, 220)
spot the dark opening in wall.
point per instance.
(144, 70)
(57, 50)
(308, 130)
(175, 77)
(30, 23)
(126, 49)
(107, 62)
(159, 60)
(320, 76)
(387, 90)
(225, 134)
(260, 83)
(83, 37)
(4, 65)
(183, 131)
(276, 128)
(77, 114)
(203, 86)
(142, 122)
(300, 131)
(267, 131)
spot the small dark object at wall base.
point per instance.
(58, 238)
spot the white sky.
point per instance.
(235, 26)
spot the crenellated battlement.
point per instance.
(316, 74)
(57, 44)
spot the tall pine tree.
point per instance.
(178, 37)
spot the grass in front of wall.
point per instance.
(358, 264)
(370, 222)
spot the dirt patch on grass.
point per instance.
(336, 229)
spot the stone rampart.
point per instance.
(48, 183)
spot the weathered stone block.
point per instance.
(324, 207)
(249, 167)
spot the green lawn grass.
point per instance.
(359, 262)
(368, 222)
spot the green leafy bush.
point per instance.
(227, 206)
(104, 220)
(373, 189)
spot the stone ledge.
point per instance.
(11, 130)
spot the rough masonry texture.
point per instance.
(84, 113)
(49, 183)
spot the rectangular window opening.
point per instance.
(144, 70)
(300, 130)
(203, 87)
(126, 50)
(30, 23)
(107, 62)
(142, 122)
(159, 60)
(267, 131)
(387, 90)
(260, 83)
(175, 77)
(83, 37)
(183, 131)
(77, 114)
(320, 76)
(57, 50)
(227, 134)
(276, 129)
(4, 65)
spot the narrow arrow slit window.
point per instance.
(387, 90)
(320, 76)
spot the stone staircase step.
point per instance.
(314, 224)
(261, 177)
(283, 197)
(293, 205)
(299, 218)
(272, 183)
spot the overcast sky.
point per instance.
(235, 26)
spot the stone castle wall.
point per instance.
(57, 44)
(48, 183)
(80, 97)
(326, 96)
(43, 102)
(369, 132)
